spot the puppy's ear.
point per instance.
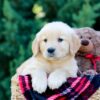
(35, 45)
(74, 44)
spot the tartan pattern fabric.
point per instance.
(80, 88)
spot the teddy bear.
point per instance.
(88, 56)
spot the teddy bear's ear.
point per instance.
(36, 45)
(75, 44)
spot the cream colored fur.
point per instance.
(58, 67)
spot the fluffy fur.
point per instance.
(57, 66)
(93, 47)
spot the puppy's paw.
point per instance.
(54, 82)
(39, 84)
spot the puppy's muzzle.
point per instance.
(51, 51)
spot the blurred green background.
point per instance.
(21, 19)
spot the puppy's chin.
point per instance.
(49, 57)
(53, 57)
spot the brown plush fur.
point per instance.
(93, 47)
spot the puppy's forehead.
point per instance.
(52, 30)
(52, 35)
(55, 30)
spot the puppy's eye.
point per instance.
(60, 39)
(45, 40)
(90, 38)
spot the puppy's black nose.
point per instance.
(85, 42)
(51, 50)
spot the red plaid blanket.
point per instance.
(80, 88)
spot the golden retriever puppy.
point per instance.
(53, 62)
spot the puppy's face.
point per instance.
(55, 41)
(54, 45)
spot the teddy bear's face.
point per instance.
(88, 39)
(86, 42)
